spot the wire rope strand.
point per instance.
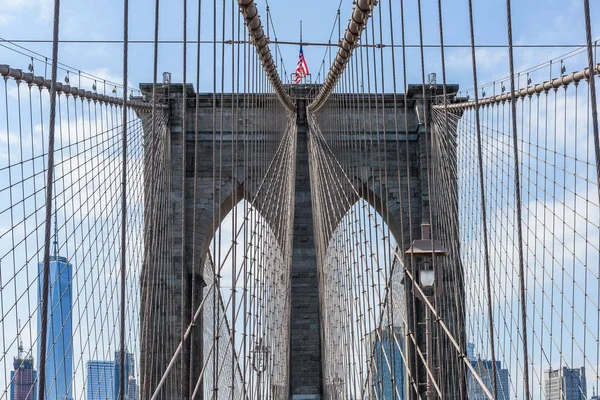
(186, 293)
(430, 212)
(123, 254)
(408, 284)
(49, 185)
(483, 199)
(518, 212)
(592, 88)
(194, 272)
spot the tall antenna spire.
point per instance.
(19, 339)
(55, 235)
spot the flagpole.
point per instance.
(300, 32)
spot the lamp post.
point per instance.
(260, 356)
(425, 249)
(427, 280)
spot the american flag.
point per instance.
(302, 67)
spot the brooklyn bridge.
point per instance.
(374, 228)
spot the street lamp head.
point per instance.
(425, 247)
(427, 278)
(166, 78)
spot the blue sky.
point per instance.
(550, 22)
(535, 22)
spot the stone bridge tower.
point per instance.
(306, 376)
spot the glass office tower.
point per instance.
(59, 335)
(387, 355)
(485, 371)
(100, 380)
(565, 384)
(129, 375)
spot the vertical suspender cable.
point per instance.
(145, 359)
(195, 212)
(513, 103)
(459, 295)
(483, 202)
(185, 276)
(592, 83)
(48, 222)
(409, 284)
(215, 341)
(218, 265)
(405, 359)
(124, 202)
(430, 183)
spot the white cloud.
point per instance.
(487, 59)
(109, 76)
(6, 20)
(13, 8)
(18, 4)
(46, 9)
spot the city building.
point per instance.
(23, 378)
(485, 371)
(133, 390)
(387, 353)
(565, 384)
(59, 336)
(471, 352)
(130, 380)
(103, 379)
(100, 380)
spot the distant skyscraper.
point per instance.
(59, 337)
(22, 379)
(100, 380)
(485, 371)
(565, 384)
(132, 389)
(129, 373)
(471, 352)
(385, 350)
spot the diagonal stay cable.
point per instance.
(258, 193)
(322, 143)
(250, 13)
(360, 15)
(438, 319)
